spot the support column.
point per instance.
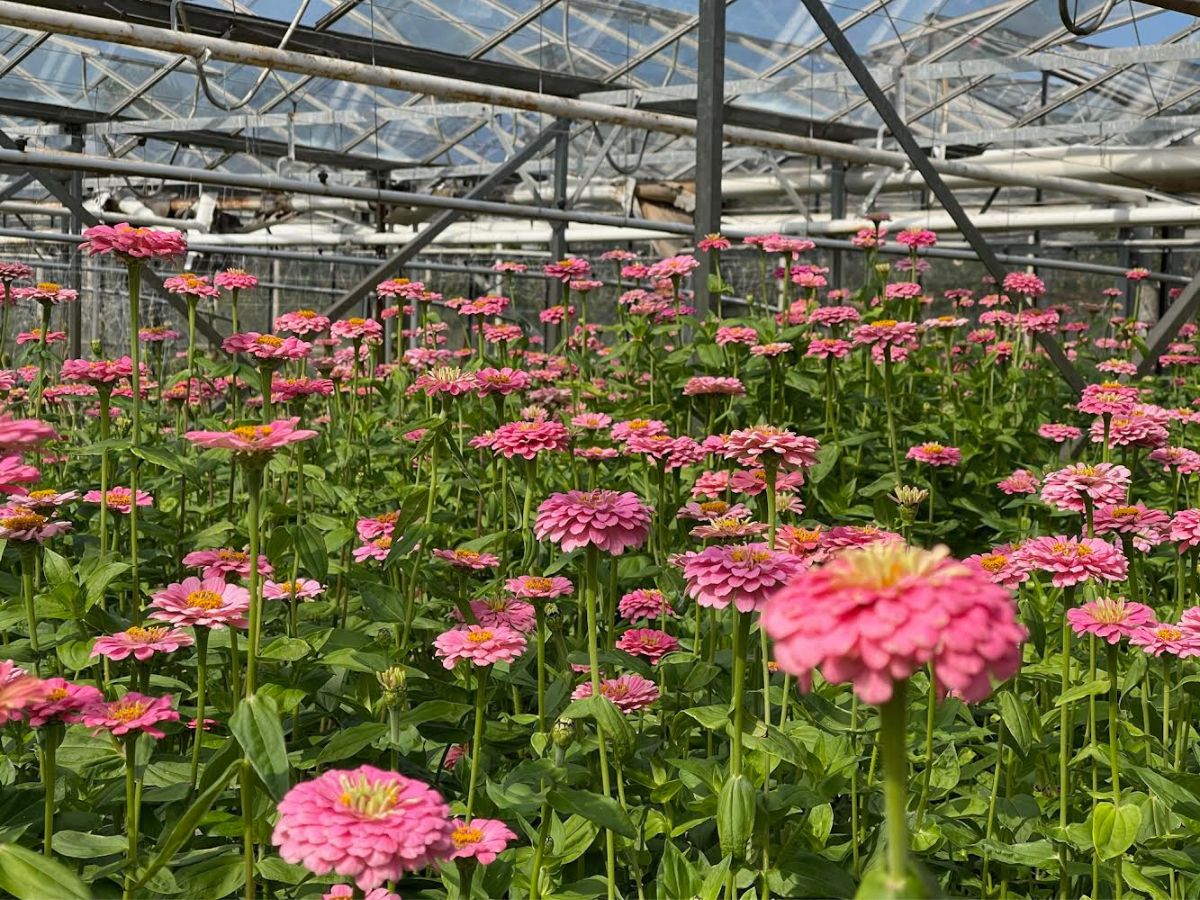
(710, 116)
(74, 270)
(837, 209)
(558, 230)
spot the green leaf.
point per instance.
(31, 876)
(185, 828)
(1114, 828)
(256, 726)
(159, 457)
(604, 811)
(714, 880)
(349, 741)
(285, 648)
(735, 815)
(677, 876)
(57, 569)
(310, 547)
(1079, 692)
(382, 601)
(1016, 720)
(99, 579)
(714, 718)
(82, 845)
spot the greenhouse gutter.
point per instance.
(26, 17)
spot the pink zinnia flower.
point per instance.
(528, 439)
(648, 642)
(501, 382)
(134, 712)
(728, 528)
(267, 347)
(345, 891)
(356, 328)
(875, 616)
(711, 242)
(736, 334)
(503, 611)
(133, 243)
(19, 435)
(623, 431)
(18, 691)
(302, 321)
(710, 385)
(644, 603)
(746, 575)
(191, 285)
(481, 646)
(1149, 527)
(1019, 482)
(141, 642)
(612, 521)
(935, 454)
(770, 446)
(1159, 638)
(64, 702)
(1000, 565)
(253, 440)
(1071, 560)
(235, 280)
(1103, 483)
(1110, 619)
(301, 589)
(540, 588)
(449, 380)
(377, 549)
(1059, 433)
(481, 839)
(375, 526)
(207, 603)
(1183, 460)
(567, 269)
(19, 523)
(824, 348)
(119, 499)
(468, 559)
(916, 237)
(364, 823)
(225, 562)
(14, 472)
(1024, 283)
(1185, 529)
(710, 510)
(629, 693)
(592, 421)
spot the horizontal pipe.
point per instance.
(29, 17)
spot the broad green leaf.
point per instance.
(604, 811)
(348, 741)
(57, 569)
(735, 815)
(82, 845)
(1016, 720)
(31, 876)
(1114, 828)
(310, 547)
(714, 718)
(255, 724)
(1079, 692)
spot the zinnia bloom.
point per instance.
(538, 587)
(207, 603)
(528, 439)
(64, 702)
(1019, 482)
(481, 646)
(253, 440)
(629, 693)
(133, 243)
(225, 563)
(1110, 619)
(364, 823)
(18, 691)
(613, 521)
(119, 499)
(301, 589)
(132, 713)
(935, 454)
(141, 642)
(481, 840)
(19, 523)
(768, 445)
(1102, 482)
(1149, 527)
(644, 603)
(1071, 560)
(1185, 529)
(648, 642)
(746, 575)
(1159, 638)
(875, 616)
(468, 559)
(506, 611)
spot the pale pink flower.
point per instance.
(1149, 527)
(468, 559)
(1103, 483)
(20, 435)
(1110, 619)
(449, 380)
(1000, 565)
(134, 712)
(1019, 482)
(1071, 560)
(225, 562)
(253, 440)
(648, 642)
(591, 421)
(710, 510)
(119, 499)
(567, 269)
(1160, 638)
(366, 823)
(356, 328)
(207, 603)
(19, 523)
(745, 574)
(302, 321)
(301, 589)
(377, 549)
(1059, 433)
(479, 645)
(843, 537)
(500, 382)
(528, 439)
(824, 348)
(63, 702)
(875, 616)
(141, 642)
(1185, 529)
(19, 691)
(935, 454)
(539, 587)
(629, 693)
(770, 446)
(506, 611)
(267, 347)
(612, 521)
(710, 385)
(623, 431)
(235, 280)
(916, 237)
(190, 284)
(481, 839)
(133, 243)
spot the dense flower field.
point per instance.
(829, 592)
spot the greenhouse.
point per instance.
(643, 449)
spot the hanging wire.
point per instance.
(179, 17)
(1069, 23)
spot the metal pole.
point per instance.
(922, 164)
(558, 232)
(837, 209)
(710, 116)
(20, 15)
(75, 273)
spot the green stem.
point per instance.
(1113, 761)
(201, 691)
(893, 743)
(254, 478)
(247, 799)
(741, 637)
(27, 565)
(52, 734)
(43, 353)
(930, 717)
(889, 389)
(592, 586)
(131, 813)
(481, 675)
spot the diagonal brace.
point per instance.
(921, 163)
(442, 221)
(1181, 311)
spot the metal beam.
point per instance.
(1182, 310)
(442, 221)
(921, 163)
(710, 110)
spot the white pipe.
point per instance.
(33, 208)
(29, 17)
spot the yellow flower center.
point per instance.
(48, 287)
(498, 605)
(993, 562)
(714, 507)
(58, 694)
(23, 521)
(356, 321)
(118, 495)
(146, 635)
(884, 565)
(478, 637)
(887, 323)
(384, 542)
(369, 799)
(306, 313)
(269, 340)
(387, 518)
(203, 599)
(464, 835)
(639, 424)
(746, 554)
(539, 584)
(466, 554)
(932, 447)
(1087, 471)
(127, 712)
(1168, 633)
(252, 432)
(1111, 385)
(1125, 512)
(45, 494)
(232, 556)
(1109, 611)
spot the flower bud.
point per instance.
(562, 733)
(552, 616)
(394, 682)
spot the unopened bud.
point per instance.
(908, 498)
(882, 268)
(97, 348)
(394, 682)
(562, 733)
(552, 616)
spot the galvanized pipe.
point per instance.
(28, 17)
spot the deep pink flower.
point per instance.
(875, 616)
(98, 372)
(1159, 638)
(612, 521)
(481, 646)
(18, 523)
(674, 267)
(843, 537)
(119, 499)
(253, 440)
(1059, 433)
(736, 334)
(134, 712)
(190, 284)
(506, 611)
(14, 472)
(528, 439)
(19, 691)
(300, 589)
(500, 382)
(916, 237)
(629, 693)
(935, 454)
(356, 328)
(538, 587)
(377, 549)
(567, 269)
(1001, 565)
(1110, 619)
(1019, 482)
(133, 243)
(235, 280)
(267, 347)
(364, 823)
(19, 435)
(1071, 560)
(141, 642)
(225, 562)
(64, 702)
(770, 446)
(468, 559)
(644, 603)
(745, 574)
(1149, 527)
(302, 321)
(1103, 483)
(824, 348)
(710, 386)
(207, 603)
(648, 642)
(711, 242)
(481, 840)
(1024, 283)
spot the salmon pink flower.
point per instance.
(481, 646)
(528, 439)
(18, 523)
(119, 499)
(1159, 638)
(648, 642)
(468, 559)
(713, 386)
(767, 445)
(536, 587)
(366, 823)
(875, 616)
(356, 329)
(267, 347)
(1000, 565)
(623, 431)
(302, 321)
(736, 334)
(98, 372)
(612, 521)
(253, 440)
(207, 603)
(506, 611)
(133, 244)
(448, 380)
(225, 563)
(567, 269)
(189, 284)
(300, 589)
(1110, 619)
(1102, 483)
(644, 603)
(141, 643)
(745, 574)
(19, 691)
(134, 713)
(1019, 482)
(481, 839)
(591, 421)
(935, 454)
(628, 693)
(235, 280)
(1071, 560)
(64, 702)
